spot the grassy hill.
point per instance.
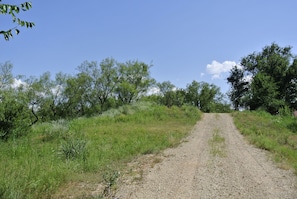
(88, 150)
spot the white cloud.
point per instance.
(202, 74)
(248, 78)
(216, 69)
(153, 91)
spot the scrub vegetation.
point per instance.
(57, 153)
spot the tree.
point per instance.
(165, 87)
(103, 80)
(6, 77)
(193, 93)
(167, 93)
(133, 82)
(13, 10)
(76, 94)
(208, 95)
(291, 85)
(264, 94)
(203, 95)
(273, 84)
(14, 111)
(239, 87)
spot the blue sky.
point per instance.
(183, 40)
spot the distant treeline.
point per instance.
(95, 88)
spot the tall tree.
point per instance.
(6, 77)
(103, 79)
(13, 11)
(134, 81)
(271, 70)
(202, 95)
(208, 95)
(239, 87)
(291, 85)
(165, 87)
(193, 93)
(76, 94)
(14, 111)
(264, 94)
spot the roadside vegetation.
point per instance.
(277, 134)
(89, 150)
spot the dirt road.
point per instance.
(214, 162)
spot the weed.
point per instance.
(217, 144)
(110, 178)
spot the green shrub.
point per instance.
(72, 149)
(285, 111)
(293, 126)
(14, 116)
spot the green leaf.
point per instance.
(17, 31)
(16, 9)
(4, 9)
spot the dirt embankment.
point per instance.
(214, 162)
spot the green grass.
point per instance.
(276, 134)
(217, 144)
(57, 156)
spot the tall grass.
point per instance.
(276, 134)
(86, 149)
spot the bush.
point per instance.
(285, 111)
(73, 149)
(293, 126)
(14, 116)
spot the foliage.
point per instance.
(273, 80)
(239, 87)
(134, 81)
(100, 82)
(6, 77)
(13, 10)
(14, 115)
(203, 95)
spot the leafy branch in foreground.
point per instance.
(13, 10)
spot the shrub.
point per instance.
(293, 126)
(72, 149)
(14, 116)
